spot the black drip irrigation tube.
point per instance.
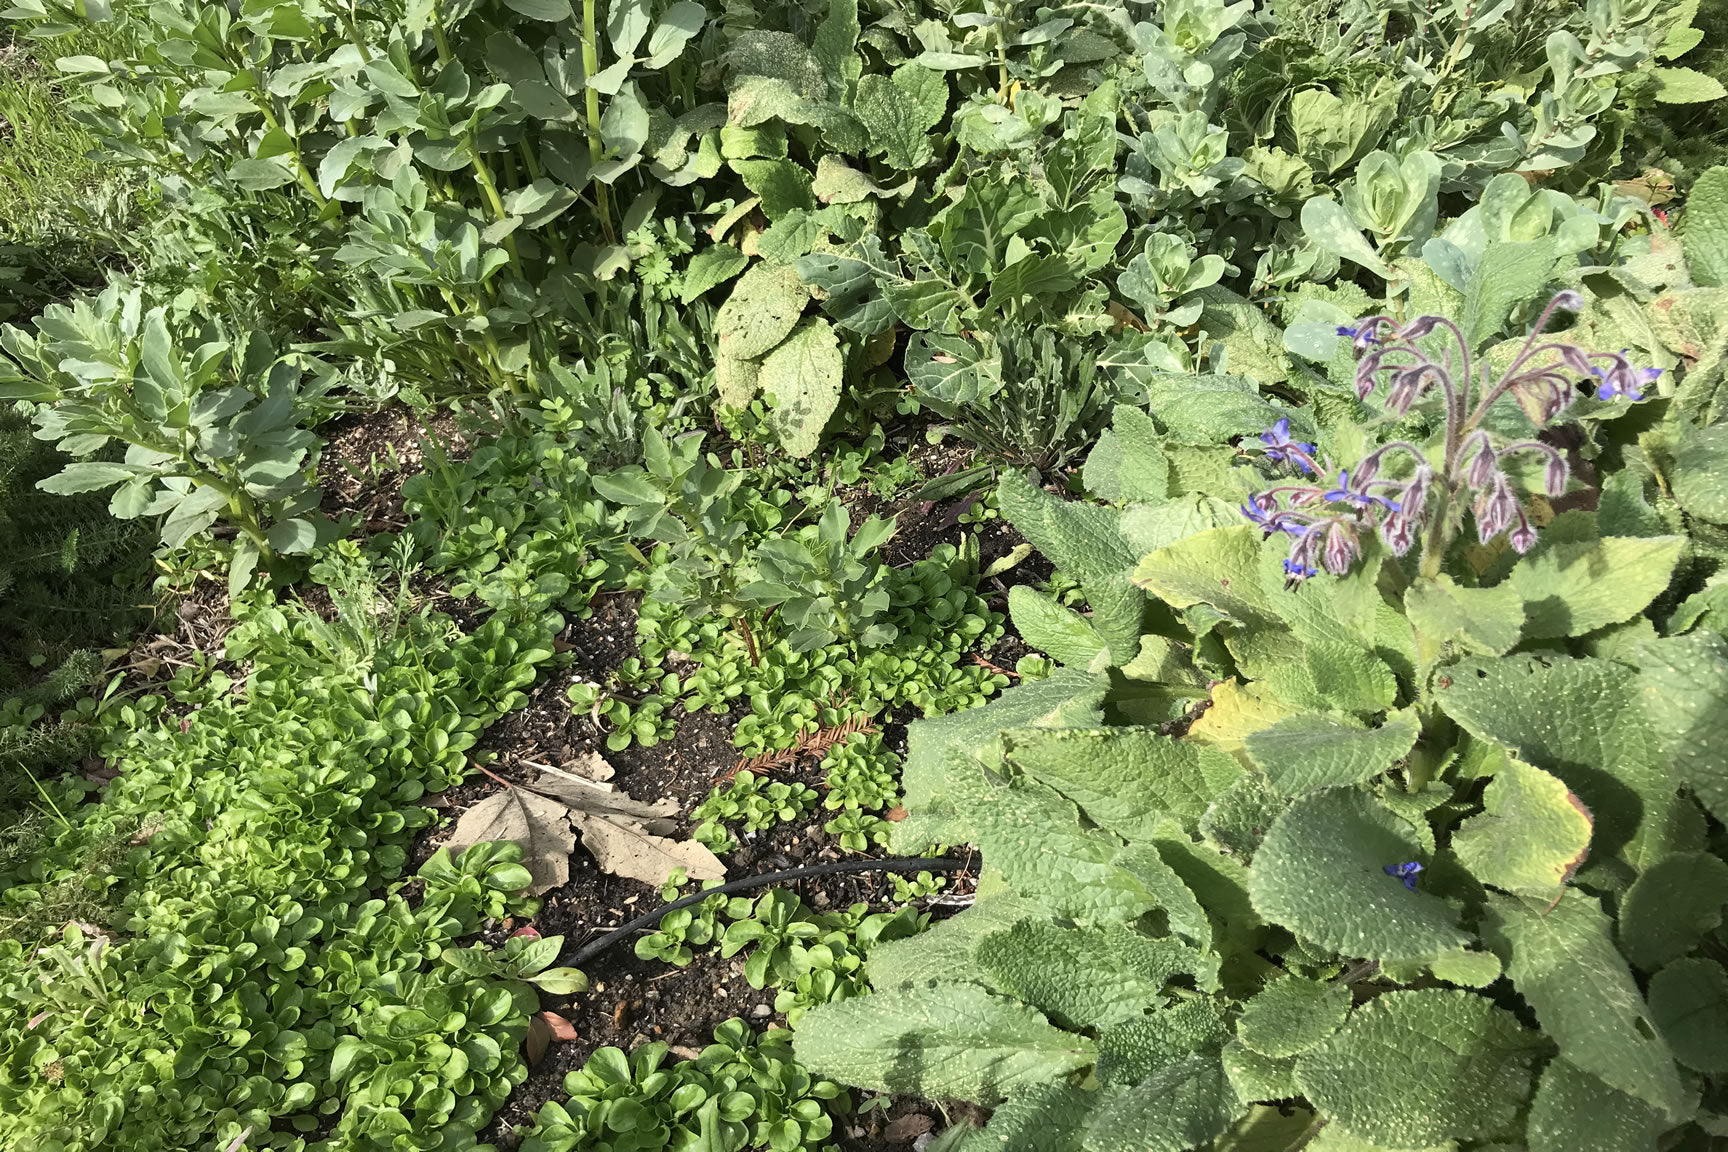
(592, 949)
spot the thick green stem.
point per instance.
(1434, 545)
(591, 66)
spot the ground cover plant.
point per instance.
(1242, 481)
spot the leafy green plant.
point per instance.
(251, 975)
(741, 1092)
(758, 802)
(1362, 879)
(214, 430)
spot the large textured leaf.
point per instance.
(1125, 779)
(1080, 978)
(849, 277)
(1689, 1002)
(1672, 905)
(1219, 567)
(952, 1042)
(1291, 1015)
(1682, 685)
(1410, 1069)
(1321, 872)
(1699, 474)
(1058, 631)
(1509, 273)
(1705, 229)
(1484, 620)
(1575, 1112)
(802, 377)
(763, 309)
(1532, 836)
(1578, 719)
(1078, 537)
(1573, 587)
(899, 110)
(1312, 752)
(1182, 1105)
(1563, 962)
(945, 952)
(1035, 837)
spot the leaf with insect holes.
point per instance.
(803, 377)
(1561, 960)
(763, 309)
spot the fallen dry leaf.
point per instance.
(541, 825)
(562, 1029)
(909, 1127)
(895, 814)
(543, 1028)
(628, 848)
(626, 836)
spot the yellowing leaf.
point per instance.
(1532, 836)
(802, 377)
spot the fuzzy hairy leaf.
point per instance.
(1182, 1105)
(899, 110)
(1682, 683)
(1078, 538)
(1079, 978)
(1562, 960)
(1575, 1112)
(1321, 873)
(1573, 587)
(1409, 1069)
(802, 377)
(1125, 779)
(950, 1042)
(1532, 836)
(1689, 1002)
(761, 311)
(1576, 718)
(1311, 752)
(1672, 905)
(1291, 1015)
(1486, 620)
(1060, 632)
(1705, 229)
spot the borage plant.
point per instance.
(1426, 497)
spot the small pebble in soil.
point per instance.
(761, 1012)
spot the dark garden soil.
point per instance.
(631, 1001)
(368, 456)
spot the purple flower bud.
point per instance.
(1406, 389)
(1341, 548)
(1495, 508)
(1569, 300)
(1420, 327)
(1554, 475)
(1575, 358)
(1414, 500)
(1399, 532)
(1523, 536)
(1481, 468)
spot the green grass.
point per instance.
(61, 209)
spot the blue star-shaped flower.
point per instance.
(1406, 872)
(1278, 445)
